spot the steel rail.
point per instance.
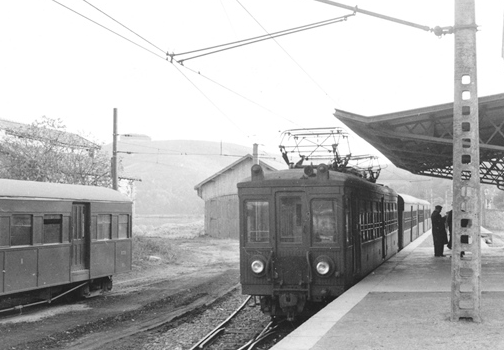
(200, 344)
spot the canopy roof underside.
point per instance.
(421, 140)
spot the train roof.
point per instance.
(18, 189)
(297, 175)
(413, 200)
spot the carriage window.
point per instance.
(291, 221)
(123, 226)
(52, 228)
(324, 221)
(257, 219)
(21, 233)
(104, 227)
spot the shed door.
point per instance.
(80, 237)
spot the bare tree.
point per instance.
(44, 151)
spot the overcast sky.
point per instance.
(59, 64)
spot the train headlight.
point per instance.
(324, 266)
(257, 266)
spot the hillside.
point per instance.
(169, 170)
(434, 190)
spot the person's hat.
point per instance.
(439, 207)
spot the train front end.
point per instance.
(295, 243)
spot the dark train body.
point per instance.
(307, 235)
(55, 237)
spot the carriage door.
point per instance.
(292, 241)
(80, 241)
(352, 237)
(383, 232)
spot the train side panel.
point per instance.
(46, 243)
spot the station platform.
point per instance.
(406, 304)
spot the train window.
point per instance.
(291, 221)
(104, 227)
(324, 220)
(257, 219)
(52, 228)
(123, 226)
(21, 232)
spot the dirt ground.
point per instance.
(140, 300)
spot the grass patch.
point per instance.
(155, 245)
(145, 247)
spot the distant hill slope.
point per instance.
(432, 189)
(169, 170)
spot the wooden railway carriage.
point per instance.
(307, 235)
(56, 235)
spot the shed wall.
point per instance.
(221, 217)
(225, 183)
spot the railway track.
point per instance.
(234, 333)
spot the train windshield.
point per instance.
(323, 220)
(257, 219)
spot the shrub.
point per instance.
(145, 246)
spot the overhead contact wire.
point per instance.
(163, 58)
(138, 35)
(110, 30)
(292, 58)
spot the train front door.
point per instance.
(292, 241)
(80, 241)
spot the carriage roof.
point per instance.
(413, 200)
(17, 189)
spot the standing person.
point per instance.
(449, 225)
(438, 231)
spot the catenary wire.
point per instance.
(240, 95)
(292, 58)
(110, 30)
(138, 35)
(209, 100)
(192, 83)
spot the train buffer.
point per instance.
(405, 304)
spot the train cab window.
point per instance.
(257, 221)
(52, 228)
(291, 220)
(324, 220)
(104, 227)
(21, 230)
(123, 226)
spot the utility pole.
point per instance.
(114, 153)
(466, 270)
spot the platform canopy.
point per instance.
(421, 140)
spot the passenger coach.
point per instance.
(308, 234)
(54, 237)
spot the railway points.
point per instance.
(405, 304)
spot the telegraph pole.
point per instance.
(114, 153)
(466, 240)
